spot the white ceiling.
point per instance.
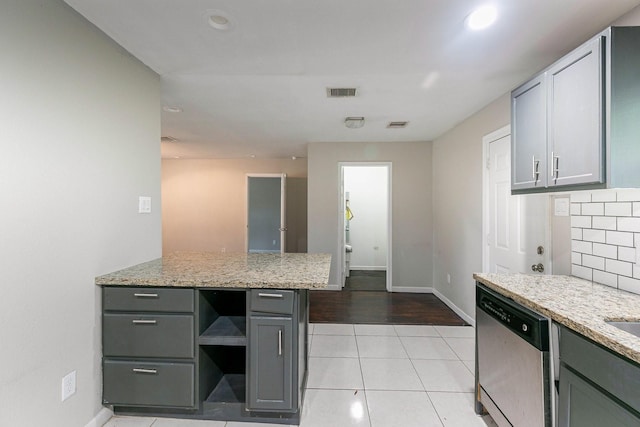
(259, 88)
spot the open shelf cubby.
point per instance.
(226, 330)
(223, 318)
(222, 376)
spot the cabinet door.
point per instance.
(583, 405)
(529, 135)
(575, 88)
(269, 379)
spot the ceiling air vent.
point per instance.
(168, 139)
(397, 125)
(341, 92)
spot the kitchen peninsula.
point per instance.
(216, 336)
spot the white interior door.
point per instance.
(517, 223)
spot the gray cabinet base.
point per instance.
(215, 412)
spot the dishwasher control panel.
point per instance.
(506, 316)
(529, 325)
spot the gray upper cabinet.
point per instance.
(575, 117)
(576, 125)
(528, 111)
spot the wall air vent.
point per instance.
(397, 125)
(341, 92)
(168, 139)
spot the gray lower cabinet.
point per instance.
(597, 387)
(584, 405)
(273, 354)
(222, 354)
(137, 383)
(148, 343)
(270, 383)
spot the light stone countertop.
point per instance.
(580, 305)
(227, 270)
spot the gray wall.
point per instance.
(457, 203)
(411, 204)
(80, 143)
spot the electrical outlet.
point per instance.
(223, 250)
(68, 385)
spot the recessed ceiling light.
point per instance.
(482, 17)
(219, 20)
(172, 109)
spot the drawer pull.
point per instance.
(279, 342)
(263, 295)
(145, 295)
(145, 371)
(144, 322)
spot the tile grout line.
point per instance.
(364, 387)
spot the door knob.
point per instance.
(538, 267)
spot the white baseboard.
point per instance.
(413, 289)
(101, 418)
(470, 320)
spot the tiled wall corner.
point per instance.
(605, 237)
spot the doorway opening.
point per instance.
(364, 243)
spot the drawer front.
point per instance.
(272, 301)
(148, 299)
(148, 335)
(601, 367)
(129, 383)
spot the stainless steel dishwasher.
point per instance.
(514, 376)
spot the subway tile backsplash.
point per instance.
(605, 237)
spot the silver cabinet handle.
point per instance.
(145, 371)
(554, 166)
(144, 322)
(535, 166)
(270, 295)
(145, 295)
(279, 342)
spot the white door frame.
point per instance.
(341, 219)
(486, 221)
(283, 207)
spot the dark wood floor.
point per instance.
(363, 280)
(379, 307)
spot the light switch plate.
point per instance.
(561, 207)
(144, 204)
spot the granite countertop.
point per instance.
(227, 270)
(580, 305)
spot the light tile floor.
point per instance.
(377, 376)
